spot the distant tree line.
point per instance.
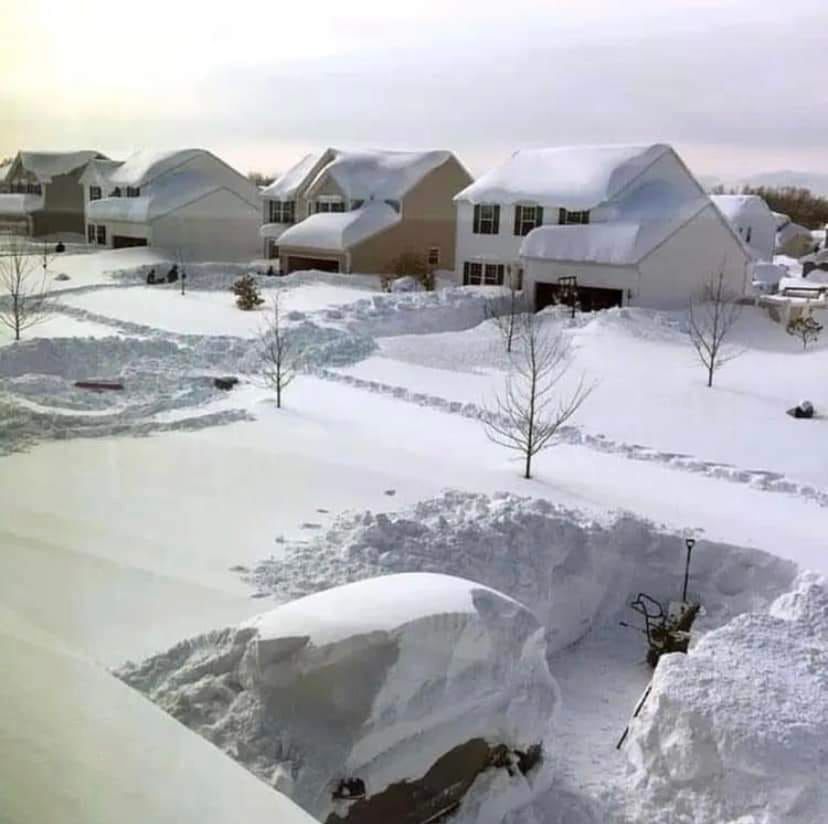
(801, 205)
(260, 179)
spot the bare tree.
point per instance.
(24, 299)
(712, 317)
(529, 413)
(280, 357)
(806, 328)
(506, 315)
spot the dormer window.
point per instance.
(486, 219)
(527, 218)
(282, 211)
(565, 217)
(95, 193)
(133, 191)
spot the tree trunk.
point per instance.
(528, 471)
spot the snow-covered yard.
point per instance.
(131, 521)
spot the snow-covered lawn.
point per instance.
(205, 313)
(119, 546)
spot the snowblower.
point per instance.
(667, 630)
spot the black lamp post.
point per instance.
(690, 542)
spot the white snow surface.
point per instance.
(19, 205)
(82, 748)
(146, 165)
(379, 174)
(736, 731)
(46, 165)
(338, 231)
(375, 680)
(286, 186)
(574, 177)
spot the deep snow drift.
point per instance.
(737, 731)
(79, 747)
(376, 680)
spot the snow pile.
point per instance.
(375, 681)
(88, 750)
(572, 572)
(736, 731)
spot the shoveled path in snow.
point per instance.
(763, 479)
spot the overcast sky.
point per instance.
(738, 87)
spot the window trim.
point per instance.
(95, 193)
(133, 191)
(479, 273)
(100, 235)
(485, 223)
(573, 218)
(433, 256)
(524, 225)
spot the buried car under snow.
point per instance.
(400, 698)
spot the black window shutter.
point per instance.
(518, 210)
(538, 215)
(561, 215)
(496, 230)
(476, 228)
(466, 272)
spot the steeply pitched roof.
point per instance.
(286, 185)
(46, 165)
(574, 177)
(738, 208)
(337, 231)
(144, 166)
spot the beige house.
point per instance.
(42, 193)
(357, 211)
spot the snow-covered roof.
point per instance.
(163, 196)
(99, 170)
(286, 186)
(574, 177)
(373, 605)
(790, 230)
(636, 231)
(768, 273)
(46, 165)
(379, 174)
(4, 170)
(739, 208)
(340, 230)
(144, 166)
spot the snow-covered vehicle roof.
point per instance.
(340, 230)
(375, 680)
(47, 165)
(573, 177)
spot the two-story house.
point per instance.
(753, 221)
(630, 224)
(42, 193)
(357, 211)
(187, 202)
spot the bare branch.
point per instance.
(279, 355)
(24, 298)
(529, 413)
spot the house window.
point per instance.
(90, 233)
(282, 211)
(486, 219)
(329, 206)
(748, 234)
(116, 192)
(570, 218)
(356, 204)
(477, 274)
(434, 256)
(101, 235)
(133, 191)
(394, 204)
(527, 218)
(94, 192)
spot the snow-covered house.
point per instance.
(356, 211)
(792, 239)
(42, 193)
(630, 223)
(753, 219)
(188, 202)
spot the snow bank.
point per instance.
(376, 680)
(571, 571)
(736, 731)
(85, 749)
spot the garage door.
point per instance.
(127, 242)
(591, 299)
(297, 264)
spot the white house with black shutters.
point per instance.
(630, 223)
